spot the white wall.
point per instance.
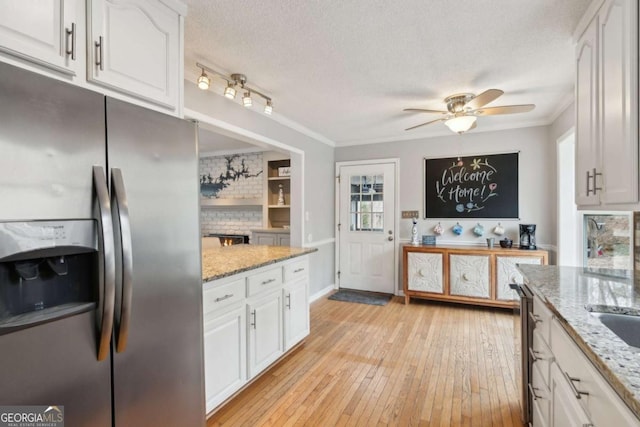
(536, 178)
(318, 170)
(564, 123)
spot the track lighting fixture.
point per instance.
(234, 81)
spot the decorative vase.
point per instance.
(280, 195)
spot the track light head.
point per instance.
(204, 81)
(246, 99)
(230, 91)
(268, 109)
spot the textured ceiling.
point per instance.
(346, 69)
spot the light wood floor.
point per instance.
(426, 363)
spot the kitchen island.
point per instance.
(256, 311)
(571, 295)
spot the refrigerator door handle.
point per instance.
(123, 232)
(106, 288)
(125, 281)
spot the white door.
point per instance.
(367, 235)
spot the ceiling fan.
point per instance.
(464, 108)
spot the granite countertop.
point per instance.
(229, 260)
(570, 293)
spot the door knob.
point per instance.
(390, 238)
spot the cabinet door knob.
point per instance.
(390, 238)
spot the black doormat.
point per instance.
(361, 297)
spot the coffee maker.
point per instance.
(527, 236)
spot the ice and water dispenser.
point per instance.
(48, 271)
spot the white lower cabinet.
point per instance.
(566, 389)
(296, 313)
(566, 410)
(587, 386)
(264, 331)
(250, 320)
(540, 398)
(225, 354)
(270, 238)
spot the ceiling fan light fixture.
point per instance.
(204, 81)
(460, 124)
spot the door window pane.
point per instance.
(367, 203)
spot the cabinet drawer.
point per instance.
(219, 296)
(542, 317)
(266, 280)
(541, 356)
(540, 395)
(296, 270)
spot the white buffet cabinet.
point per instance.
(251, 320)
(567, 390)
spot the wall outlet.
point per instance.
(410, 214)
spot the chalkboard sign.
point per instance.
(482, 186)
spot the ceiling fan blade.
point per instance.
(505, 109)
(483, 99)
(427, 123)
(422, 110)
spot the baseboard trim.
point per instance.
(321, 293)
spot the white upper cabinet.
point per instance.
(128, 49)
(134, 47)
(618, 115)
(586, 114)
(607, 107)
(43, 33)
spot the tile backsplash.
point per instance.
(230, 220)
(240, 177)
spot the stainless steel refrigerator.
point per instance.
(100, 271)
